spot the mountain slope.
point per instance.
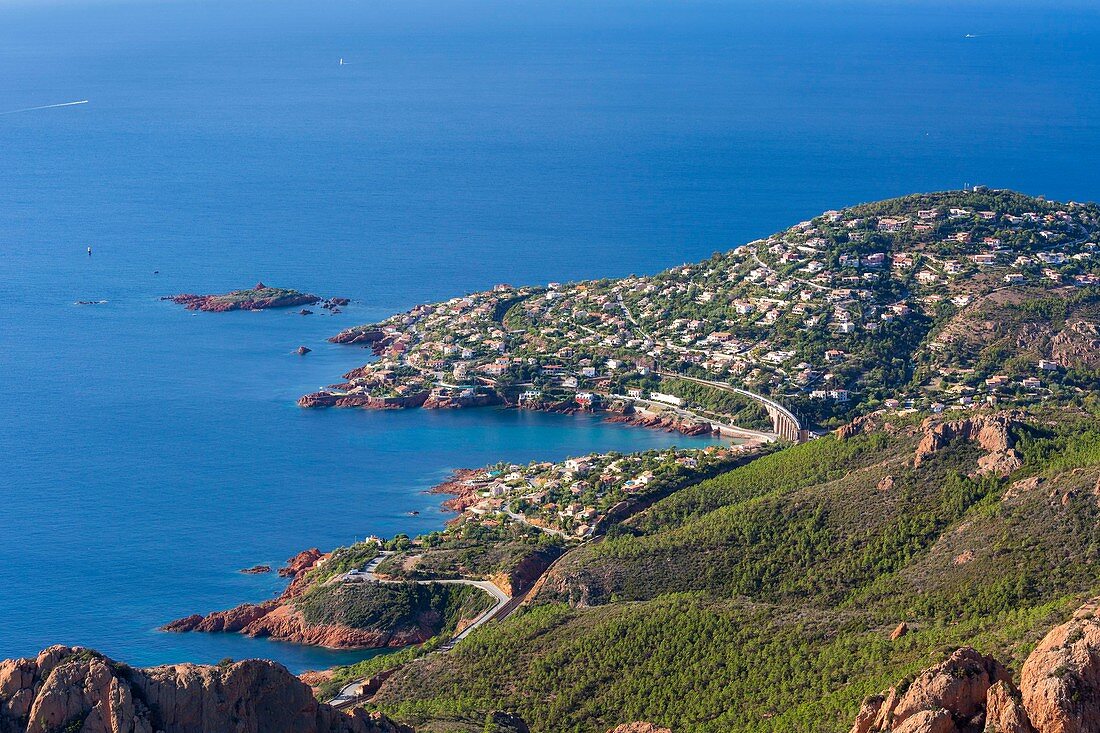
(764, 600)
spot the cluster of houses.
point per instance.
(793, 314)
(571, 498)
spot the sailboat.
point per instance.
(341, 61)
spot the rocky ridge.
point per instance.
(992, 432)
(80, 691)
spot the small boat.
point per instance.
(341, 61)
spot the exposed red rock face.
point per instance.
(359, 335)
(72, 688)
(863, 424)
(301, 563)
(1004, 711)
(1077, 345)
(942, 699)
(462, 486)
(992, 433)
(1059, 690)
(1060, 681)
(899, 631)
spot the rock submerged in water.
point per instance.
(303, 350)
(257, 570)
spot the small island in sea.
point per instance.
(259, 297)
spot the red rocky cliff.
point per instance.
(76, 689)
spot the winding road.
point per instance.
(353, 692)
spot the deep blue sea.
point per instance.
(146, 454)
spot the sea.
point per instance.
(396, 153)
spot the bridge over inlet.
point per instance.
(785, 425)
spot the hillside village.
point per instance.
(573, 498)
(854, 307)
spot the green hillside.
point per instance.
(763, 599)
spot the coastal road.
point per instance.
(774, 408)
(352, 692)
(726, 429)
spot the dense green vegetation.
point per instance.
(762, 599)
(391, 607)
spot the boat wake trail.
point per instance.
(45, 106)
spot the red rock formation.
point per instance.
(992, 433)
(301, 563)
(1004, 711)
(283, 622)
(361, 335)
(942, 699)
(863, 424)
(257, 570)
(243, 616)
(1060, 681)
(1059, 690)
(899, 631)
(73, 688)
(278, 619)
(461, 485)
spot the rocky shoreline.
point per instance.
(462, 487)
(279, 620)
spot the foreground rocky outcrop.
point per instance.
(259, 297)
(1060, 681)
(80, 691)
(969, 693)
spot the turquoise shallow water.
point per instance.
(147, 454)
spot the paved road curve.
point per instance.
(353, 691)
